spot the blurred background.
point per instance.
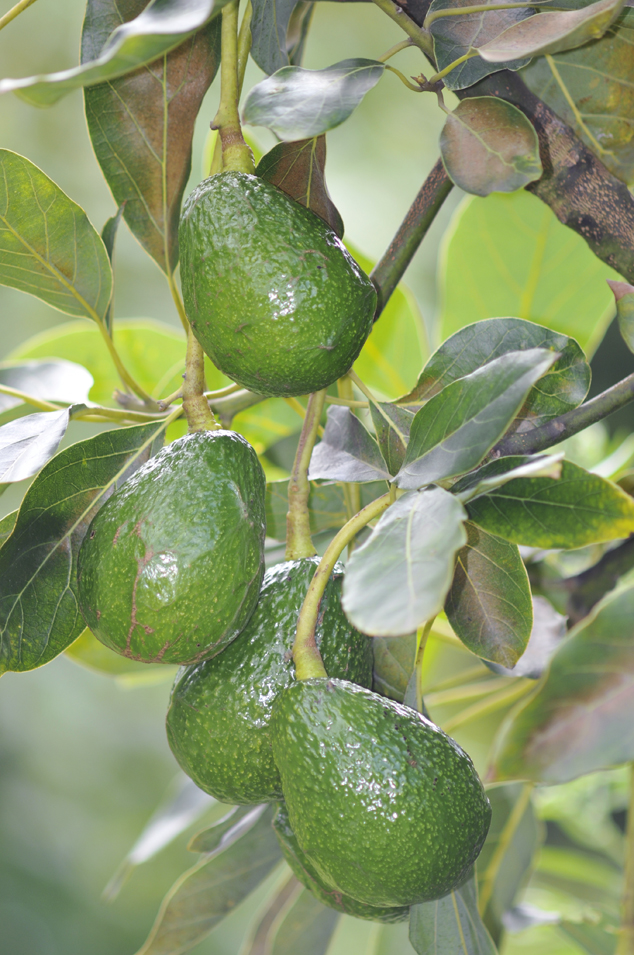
(83, 757)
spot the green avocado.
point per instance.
(218, 719)
(329, 895)
(170, 568)
(273, 296)
(387, 807)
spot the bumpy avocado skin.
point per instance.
(387, 807)
(171, 566)
(218, 718)
(329, 895)
(272, 294)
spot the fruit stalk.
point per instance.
(308, 663)
(196, 407)
(236, 155)
(298, 540)
(625, 945)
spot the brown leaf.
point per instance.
(298, 169)
(141, 125)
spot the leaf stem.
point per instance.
(625, 944)
(477, 8)
(417, 35)
(347, 402)
(236, 155)
(403, 45)
(178, 301)
(122, 371)
(307, 658)
(30, 399)
(14, 12)
(469, 55)
(298, 538)
(404, 80)
(195, 405)
(504, 842)
(388, 272)
(351, 491)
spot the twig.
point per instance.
(14, 12)
(298, 538)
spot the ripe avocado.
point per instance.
(170, 568)
(218, 719)
(387, 807)
(307, 874)
(273, 296)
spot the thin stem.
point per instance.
(30, 399)
(178, 301)
(244, 44)
(389, 271)
(346, 402)
(195, 405)
(420, 656)
(308, 662)
(122, 371)
(478, 8)
(419, 37)
(404, 80)
(403, 45)
(298, 538)
(299, 409)
(447, 69)
(227, 408)
(236, 155)
(469, 691)
(506, 837)
(625, 945)
(14, 12)
(529, 442)
(351, 491)
(494, 702)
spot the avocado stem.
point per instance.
(196, 407)
(298, 539)
(236, 155)
(308, 662)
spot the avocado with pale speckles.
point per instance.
(171, 566)
(271, 293)
(218, 719)
(386, 806)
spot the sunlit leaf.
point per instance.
(59, 381)
(269, 27)
(48, 247)
(226, 830)
(28, 443)
(394, 659)
(297, 104)
(579, 508)
(346, 451)
(450, 926)
(162, 25)
(456, 428)
(141, 125)
(399, 577)
(39, 614)
(500, 471)
(509, 255)
(488, 145)
(552, 32)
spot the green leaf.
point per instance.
(39, 615)
(506, 858)
(346, 451)
(392, 425)
(28, 443)
(574, 723)
(509, 255)
(293, 921)
(60, 381)
(489, 602)
(592, 89)
(593, 939)
(456, 35)
(624, 296)
(457, 427)
(500, 471)
(239, 819)
(162, 26)
(488, 145)
(394, 659)
(450, 926)
(298, 169)
(552, 32)
(297, 104)
(399, 577)
(48, 247)
(109, 236)
(141, 126)
(562, 388)
(578, 509)
(6, 526)
(326, 506)
(212, 888)
(269, 27)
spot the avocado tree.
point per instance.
(443, 553)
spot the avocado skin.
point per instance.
(307, 874)
(170, 568)
(273, 296)
(218, 718)
(386, 806)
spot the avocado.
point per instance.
(170, 568)
(218, 718)
(272, 295)
(387, 807)
(329, 895)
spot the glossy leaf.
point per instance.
(392, 425)
(394, 659)
(159, 28)
(400, 576)
(236, 822)
(141, 126)
(509, 255)
(488, 145)
(48, 247)
(457, 427)
(269, 27)
(549, 629)
(552, 32)
(450, 926)
(456, 35)
(298, 169)
(578, 509)
(298, 104)
(346, 451)
(489, 602)
(562, 388)
(212, 888)
(574, 723)
(59, 381)
(500, 471)
(39, 615)
(592, 89)
(28, 443)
